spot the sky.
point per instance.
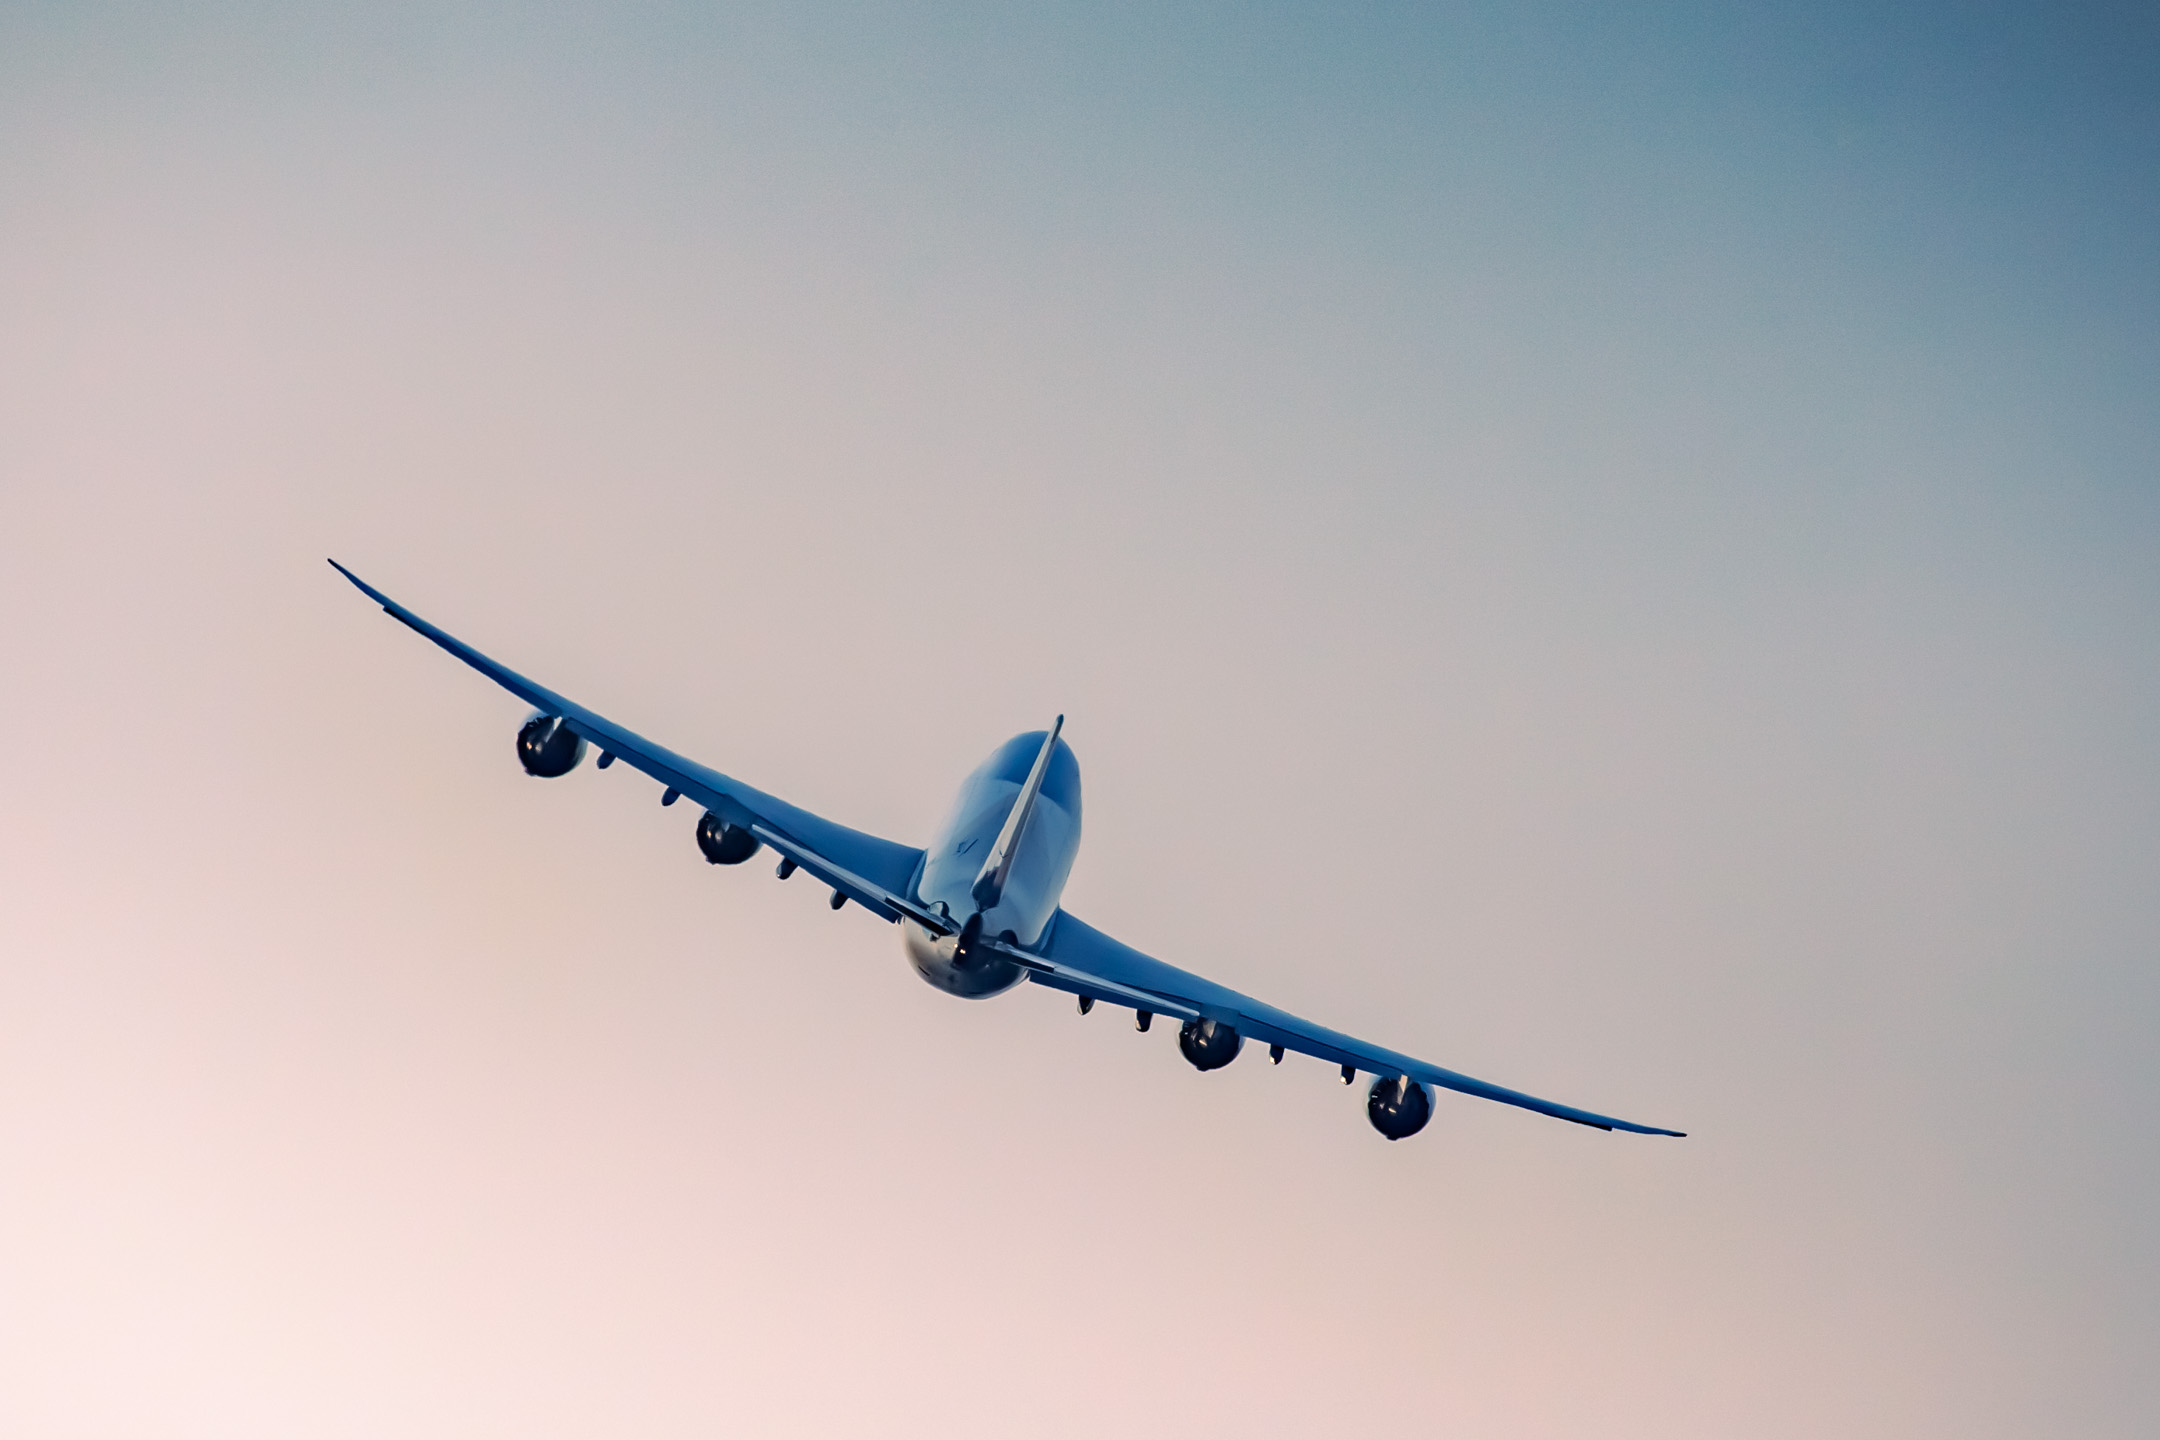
(1613, 549)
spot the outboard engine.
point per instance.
(1398, 1106)
(1209, 1044)
(547, 748)
(724, 844)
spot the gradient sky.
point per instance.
(1616, 548)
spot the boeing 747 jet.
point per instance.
(978, 907)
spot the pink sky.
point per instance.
(1646, 602)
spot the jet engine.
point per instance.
(546, 747)
(1398, 1106)
(1209, 1044)
(724, 844)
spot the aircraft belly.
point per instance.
(932, 957)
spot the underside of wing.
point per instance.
(1066, 976)
(876, 874)
(1076, 957)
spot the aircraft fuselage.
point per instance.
(954, 858)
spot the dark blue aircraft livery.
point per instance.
(978, 909)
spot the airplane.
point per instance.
(978, 908)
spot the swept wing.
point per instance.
(1076, 957)
(876, 874)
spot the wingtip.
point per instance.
(1634, 1129)
(362, 586)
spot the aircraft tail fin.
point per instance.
(990, 881)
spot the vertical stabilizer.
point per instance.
(990, 882)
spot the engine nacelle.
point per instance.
(724, 844)
(1209, 1044)
(547, 748)
(1398, 1106)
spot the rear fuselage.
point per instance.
(1041, 861)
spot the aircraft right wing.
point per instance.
(1076, 957)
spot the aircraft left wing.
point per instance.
(1076, 957)
(876, 874)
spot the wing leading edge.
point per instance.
(876, 874)
(1076, 957)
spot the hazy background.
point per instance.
(1614, 547)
